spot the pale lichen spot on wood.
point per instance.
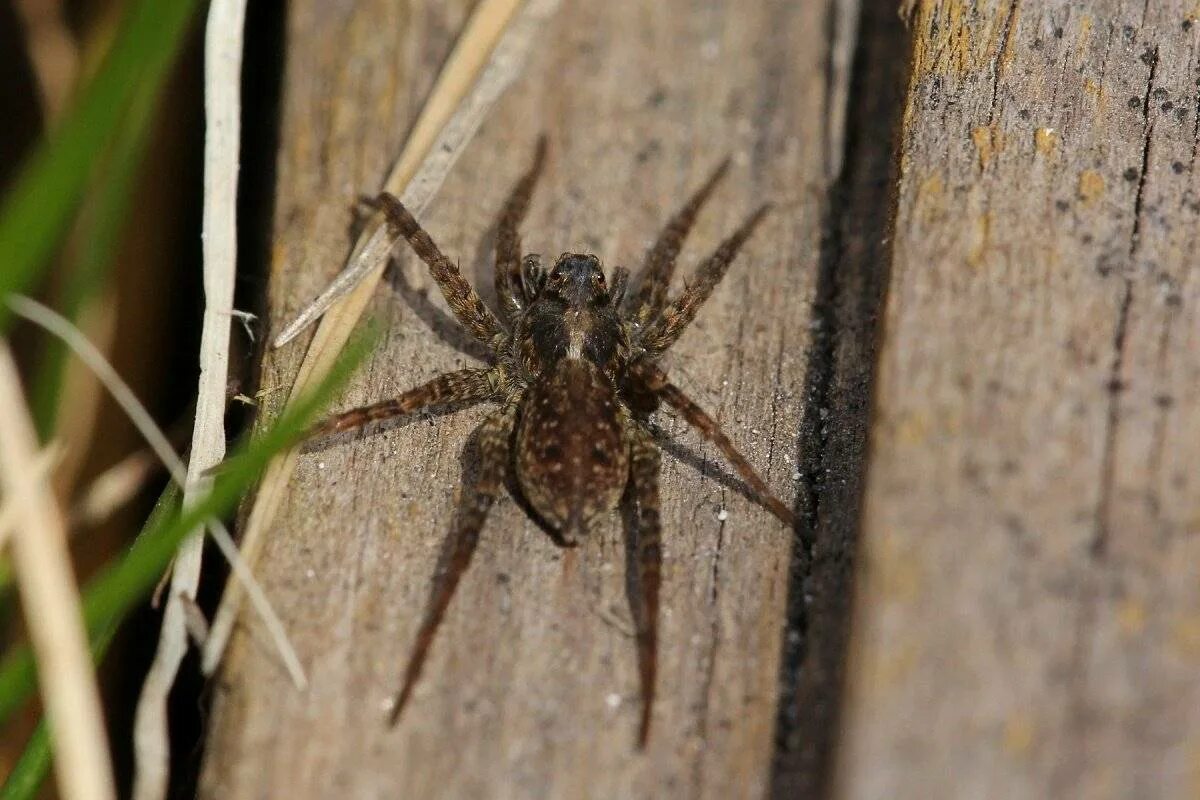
(981, 240)
(1019, 732)
(1091, 186)
(1095, 90)
(1085, 32)
(1045, 140)
(1185, 637)
(911, 429)
(988, 141)
(892, 670)
(897, 572)
(1131, 616)
(929, 205)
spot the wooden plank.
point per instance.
(531, 689)
(1028, 614)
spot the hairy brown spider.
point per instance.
(575, 379)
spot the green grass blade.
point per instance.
(36, 211)
(98, 231)
(33, 766)
(31, 769)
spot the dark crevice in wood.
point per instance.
(262, 86)
(1099, 544)
(1195, 134)
(1006, 34)
(1147, 135)
(834, 430)
(1162, 408)
(1135, 236)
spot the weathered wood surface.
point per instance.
(1028, 620)
(531, 689)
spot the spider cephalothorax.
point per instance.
(575, 380)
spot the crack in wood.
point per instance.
(1007, 31)
(1147, 136)
(831, 456)
(1099, 544)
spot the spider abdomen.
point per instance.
(571, 455)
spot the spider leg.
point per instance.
(462, 298)
(645, 463)
(678, 314)
(494, 436)
(468, 386)
(620, 283)
(656, 381)
(533, 275)
(659, 265)
(509, 285)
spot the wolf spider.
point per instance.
(575, 377)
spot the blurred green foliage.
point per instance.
(37, 210)
(116, 591)
(81, 180)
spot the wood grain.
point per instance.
(531, 689)
(1028, 619)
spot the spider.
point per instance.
(575, 378)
